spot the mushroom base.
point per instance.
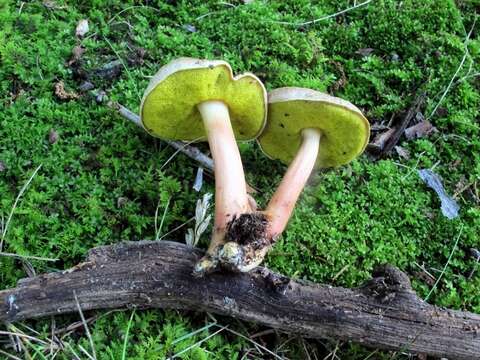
(247, 243)
(249, 230)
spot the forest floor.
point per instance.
(83, 176)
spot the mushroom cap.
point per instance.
(169, 105)
(345, 131)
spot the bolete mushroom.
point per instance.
(305, 129)
(191, 99)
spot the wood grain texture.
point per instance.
(382, 313)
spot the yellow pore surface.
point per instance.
(344, 133)
(170, 110)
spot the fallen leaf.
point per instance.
(402, 152)
(395, 57)
(121, 201)
(86, 86)
(378, 127)
(189, 28)
(475, 254)
(382, 138)
(77, 53)
(419, 117)
(364, 51)
(101, 97)
(62, 94)
(421, 275)
(52, 5)
(197, 185)
(422, 129)
(461, 184)
(449, 206)
(454, 164)
(110, 70)
(137, 57)
(53, 136)
(82, 28)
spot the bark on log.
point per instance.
(383, 313)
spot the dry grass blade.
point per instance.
(197, 343)
(87, 330)
(326, 17)
(82, 349)
(73, 352)
(24, 336)
(185, 145)
(27, 257)
(129, 325)
(256, 344)
(10, 356)
(446, 265)
(460, 66)
(191, 151)
(15, 204)
(158, 228)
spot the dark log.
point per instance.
(383, 313)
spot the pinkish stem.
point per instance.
(230, 186)
(283, 201)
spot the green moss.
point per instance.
(104, 180)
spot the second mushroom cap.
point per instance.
(344, 130)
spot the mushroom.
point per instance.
(189, 99)
(305, 129)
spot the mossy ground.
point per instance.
(103, 181)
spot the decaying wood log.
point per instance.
(383, 313)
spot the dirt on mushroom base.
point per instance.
(249, 230)
(247, 242)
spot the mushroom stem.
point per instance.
(281, 205)
(230, 187)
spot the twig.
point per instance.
(388, 314)
(20, 194)
(326, 17)
(191, 151)
(82, 349)
(399, 129)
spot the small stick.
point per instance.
(400, 128)
(191, 151)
